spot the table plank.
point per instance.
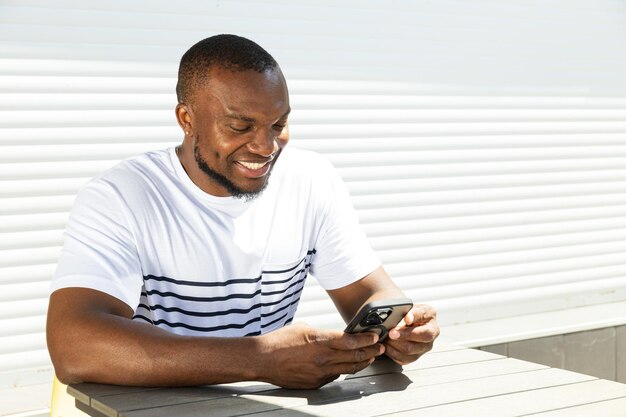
(610, 408)
(114, 404)
(85, 408)
(434, 359)
(530, 402)
(451, 357)
(415, 397)
(222, 407)
(470, 370)
(85, 391)
(446, 346)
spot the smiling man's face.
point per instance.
(238, 124)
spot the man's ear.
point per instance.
(184, 118)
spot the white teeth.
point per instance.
(252, 165)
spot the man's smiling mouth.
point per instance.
(254, 165)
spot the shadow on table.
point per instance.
(347, 390)
(382, 376)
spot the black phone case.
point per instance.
(398, 306)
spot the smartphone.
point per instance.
(380, 316)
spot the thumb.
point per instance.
(393, 334)
(409, 319)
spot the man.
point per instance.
(185, 266)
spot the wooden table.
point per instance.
(450, 381)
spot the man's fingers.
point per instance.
(408, 348)
(419, 314)
(423, 333)
(352, 367)
(335, 356)
(346, 341)
(358, 355)
(407, 352)
(400, 357)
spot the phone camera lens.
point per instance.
(372, 319)
(383, 314)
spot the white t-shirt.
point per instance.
(197, 264)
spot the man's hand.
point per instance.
(413, 336)
(299, 356)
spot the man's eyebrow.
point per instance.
(286, 113)
(240, 117)
(243, 118)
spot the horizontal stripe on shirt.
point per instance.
(250, 299)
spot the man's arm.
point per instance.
(413, 337)
(92, 338)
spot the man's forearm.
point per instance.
(92, 338)
(124, 352)
(375, 286)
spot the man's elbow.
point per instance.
(67, 375)
(70, 364)
(67, 367)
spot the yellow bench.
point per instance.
(62, 404)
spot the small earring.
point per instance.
(186, 132)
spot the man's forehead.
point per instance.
(246, 80)
(243, 92)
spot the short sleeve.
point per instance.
(343, 253)
(99, 250)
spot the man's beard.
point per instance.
(230, 187)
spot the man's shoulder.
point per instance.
(143, 164)
(131, 175)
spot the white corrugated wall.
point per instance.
(484, 143)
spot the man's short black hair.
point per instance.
(230, 52)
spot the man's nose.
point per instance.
(264, 143)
